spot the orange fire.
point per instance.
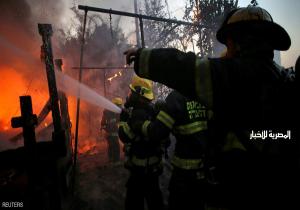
(10, 92)
(27, 76)
(91, 146)
(115, 75)
(87, 147)
(12, 85)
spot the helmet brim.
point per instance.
(272, 32)
(149, 96)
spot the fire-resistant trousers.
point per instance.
(186, 190)
(113, 148)
(142, 187)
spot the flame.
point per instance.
(90, 147)
(22, 73)
(16, 81)
(111, 78)
(12, 85)
(115, 75)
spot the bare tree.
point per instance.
(160, 34)
(209, 13)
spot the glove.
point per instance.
(130, 55)
(124, 116)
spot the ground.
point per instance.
(101, 185)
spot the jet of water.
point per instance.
(74, 88)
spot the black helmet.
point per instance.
(257, 21)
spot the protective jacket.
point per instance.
(187, 120)
(242, 92)
(110, 122)
(246, 94)
(144, 161)
(142, 155)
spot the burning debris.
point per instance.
(115, 75)
(37, 163)
(20, 60)
(22, 73)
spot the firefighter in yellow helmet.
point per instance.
(143, 158)
(186, 119)
(246, 92)
(142, 87)
(109, 123)
(117, 101)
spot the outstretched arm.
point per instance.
(184, 72)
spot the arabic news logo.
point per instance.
(269, 134)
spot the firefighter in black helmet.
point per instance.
(244, 91)
(143, 158)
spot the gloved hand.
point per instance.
(124, 116)
(130, 55)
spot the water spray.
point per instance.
(74, 88)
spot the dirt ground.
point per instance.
(100, 185)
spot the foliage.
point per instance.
(104, 46)
(160, 34)
(253, 3)
(210, 14)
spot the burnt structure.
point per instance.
(38, 174)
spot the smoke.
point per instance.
(19, 61)
(23, 73)
(19, 38)
(17, 13)
(15, 19)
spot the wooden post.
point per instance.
(58, 137)
(45, 31)
(63, 101)
(27, 121)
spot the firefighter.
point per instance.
(109, 123)
(143, 158)
(244, 91)
(187, 119)
(159, 105)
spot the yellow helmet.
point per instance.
(223, 53)
(117, 101)
(257, 21)
(142, 86)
